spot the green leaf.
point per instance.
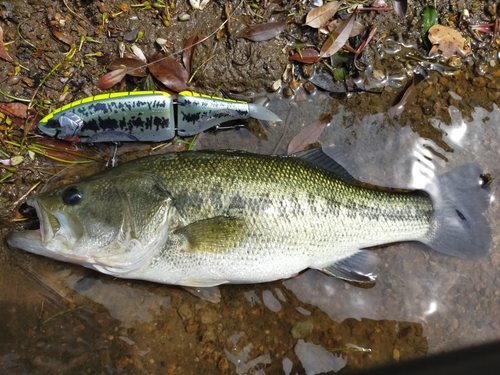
(430, 18)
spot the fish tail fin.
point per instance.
(259, 112)
(459, 227)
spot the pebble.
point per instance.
(223, 364)
(288, 92)
(208, 335)
(191, 328)
(302, 329)
(427, 91)
(307, 70)
(309, 87)
(396, 355)
(495, 85)
(185, 311)
(209, 316)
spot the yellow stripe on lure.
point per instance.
(145, 116)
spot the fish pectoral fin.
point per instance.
(361, 267)
(214, 235)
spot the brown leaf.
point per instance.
(400, 7)
(264, 31)
(3, 53)
(357, 29)
(307, 55)
(448, 41)
(320, 16)
(111, 78)
(340, 36)
(308, 135)
(188, 51)
(397, 109)
(65, 38)
(134, 66)
(14, 109)
(170, 72)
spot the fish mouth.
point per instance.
(56, 236)
(49, 224)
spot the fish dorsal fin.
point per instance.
(361, 267)
(214, 235)
(319, 158)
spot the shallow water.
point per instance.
(62, 318)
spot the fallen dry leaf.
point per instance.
(111, 78)
(188, 50)
(357, 29)
(14, 109)
(308, 135)
(170, 72)
(134, 66)
(339, 37)
(400, 7)
(265, 31)
(65, 38)
(307, 55)
(320, 16)
(3, 53)
(448, 41)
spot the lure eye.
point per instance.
(72, 195)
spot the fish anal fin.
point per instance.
(362, 267)
(213, 235)
(206, 293)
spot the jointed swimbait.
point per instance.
(145, 116)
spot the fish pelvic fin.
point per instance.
(258, 111)
(362, 267)
(458, 227)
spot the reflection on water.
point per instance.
(422, 302)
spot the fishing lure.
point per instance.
(145, 116)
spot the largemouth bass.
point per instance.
(208, 218)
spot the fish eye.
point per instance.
(72, 195)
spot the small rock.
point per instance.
(130, 36)
(208, 335)
(307, 70)
(427, 91)
(185, 311)
(288, 92)
(479, 81)
(443, 80)
(302, 329)
(223, 364)
(396, 355)
(309, 87)
(191, 328)
(495, 85)
(209, 316)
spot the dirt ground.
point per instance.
(61, 318)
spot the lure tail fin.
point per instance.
(259, 112)
(459, 227)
